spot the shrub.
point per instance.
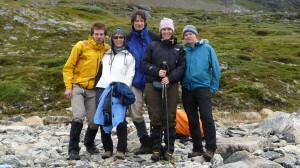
(249, 91)
(262, 33)
(14, 91)
(244, 57)
(91, 9)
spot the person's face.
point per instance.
(139, 23)
(118, 40)
(190, 37)
(98, 36)
(166, 33)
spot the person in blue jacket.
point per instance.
(200, 80)
(138, 40)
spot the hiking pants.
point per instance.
(195, 102)
(83, 105)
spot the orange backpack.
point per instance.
(182, 123)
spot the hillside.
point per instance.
(258, 51)
(224, 5)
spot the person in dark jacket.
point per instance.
(200, 80)
(138, 40)
(118, 66)
(163, 63)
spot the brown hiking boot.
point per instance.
(195, 154)
(143, 150)
(106, 154)
(208, 155)
(92, 149)
(120, 155)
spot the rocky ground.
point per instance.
(273, 142)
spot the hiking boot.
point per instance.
(168, 157)
(155, 156)
(106, 154)
(195, 154)
(74, 155)
(208, 155)
(143, 150)
(92, 150)
(120, 155)
(146, 146)
(89, 139)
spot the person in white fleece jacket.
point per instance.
(118, 65)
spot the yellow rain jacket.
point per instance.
(84, 63)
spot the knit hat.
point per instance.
(166, 22)
(118, 30)
(190, 28)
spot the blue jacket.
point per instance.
(112, 114)
(137, 44)
(202, 67)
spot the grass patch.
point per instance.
(251, 92)
(91, 9)
(15, 91)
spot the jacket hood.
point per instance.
(142, 33)
(197, 44)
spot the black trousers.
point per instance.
(121, 131)
(122, 138)
(195, 102)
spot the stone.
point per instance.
(33, 121)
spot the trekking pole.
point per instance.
(165, 101)
(161, 117)
(166, 112)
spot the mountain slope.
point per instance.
(224, 5)
(259, 52)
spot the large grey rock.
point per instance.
(251, 160)
(272, 123)
(228, 146)
(290, 129)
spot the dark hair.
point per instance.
(138, 13)
(99, 25)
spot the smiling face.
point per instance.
(98, 36)
(190, 38)
(139, 23)
(166, 33)
(118, 40)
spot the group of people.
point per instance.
(151, 66)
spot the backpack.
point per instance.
(182, 124)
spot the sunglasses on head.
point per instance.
(118, 37)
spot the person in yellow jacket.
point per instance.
(79, 75)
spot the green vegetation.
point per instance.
(261, 51)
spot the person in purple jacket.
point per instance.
(200, 80)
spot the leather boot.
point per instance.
(89, 139)
(146, 146)
(146, 143)
(74, 149)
